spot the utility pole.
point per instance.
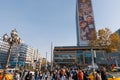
(92, 58)
(95, 62)
(51, 56)
(46, 59)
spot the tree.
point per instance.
(105, 39)
(110, 41)
(115, 42)
(93, 39)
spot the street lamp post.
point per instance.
(13, 39)
(46, 60)
(51, 57)
(93, 64)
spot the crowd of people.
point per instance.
(79, 74)
(63, 73)
(30, 75)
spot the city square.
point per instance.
(59, 40)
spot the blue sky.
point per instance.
(40, 22)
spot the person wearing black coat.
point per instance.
(103, 73)
(28, 76)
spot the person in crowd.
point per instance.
(36, 74)
(86, 76)
(58, 75)
(16, 75)
(54, 77)
(62, 74)
(80, 75)
(74, 74)
(103, 73)
(21, 72)
(40, 75)
(28, 76)
(94, 74)
(67, 73)
(0, 76)
(98, 75)
(46, 75)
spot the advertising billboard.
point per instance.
(85, 21)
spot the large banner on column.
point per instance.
(85, 21)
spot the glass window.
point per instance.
(88, 57)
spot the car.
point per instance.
(116, 69)
(8, 76)
(109, 76)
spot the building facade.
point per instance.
(82, 55)
(3, 52)
(64, 56)
(118, 32)
(21, 56)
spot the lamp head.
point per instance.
(14, 33)
(5, 37)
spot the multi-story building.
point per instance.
(64, 55)
(3, 52)
(82, 55)
(21, 55)
(26, 55)
(118, 32)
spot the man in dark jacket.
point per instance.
(28, 76)
(103, 73)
